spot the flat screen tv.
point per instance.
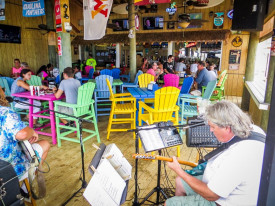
(151, 23)
(121, 24)
(10, 34)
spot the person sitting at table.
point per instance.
(43, 72)
(15, 71)
(77, 73)
(153, 70)
(69, 86)
(14, 130)
(20, 85)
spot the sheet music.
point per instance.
(151, 139)
(118, 161)
(105, 183)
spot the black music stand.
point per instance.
(95, 162)
(158, 188)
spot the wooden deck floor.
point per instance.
(65, 163)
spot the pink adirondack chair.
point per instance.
(171, 80)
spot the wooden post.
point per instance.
(118, 55)
(249, 70)
(133, 61)
(49, 6)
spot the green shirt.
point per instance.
(91, 62)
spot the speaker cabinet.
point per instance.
(248, 15)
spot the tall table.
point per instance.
(141, 94)
(47, 97)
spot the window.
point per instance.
(262, 65)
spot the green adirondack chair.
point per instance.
(84, 108)
(188, 103)
(218, 93)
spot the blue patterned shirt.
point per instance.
(10, 150)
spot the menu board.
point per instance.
(10, 34)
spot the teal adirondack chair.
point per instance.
(102, 94)
(84, 108)
(190, 110)
(9, 80)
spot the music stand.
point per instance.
(158, 147)
(95, 162)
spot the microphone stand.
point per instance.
(157, 189)
(80, 120)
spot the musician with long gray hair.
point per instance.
(232, 176)
(12, 131)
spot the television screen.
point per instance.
(150, 23)
(10, 34)
(121, 24)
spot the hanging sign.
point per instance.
(218, 20)
(272, 50)
(2, 10)
(237, 41)
(33, 8)
(96, 14)
(58, 22)
(59, 46)
(137, 22)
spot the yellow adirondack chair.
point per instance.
(164, 108)
(128, 107)
(145, 79)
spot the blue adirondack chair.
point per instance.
(106, 72)
(186, 86)
(102, 95)
(130, 84)
(9, 80)
(90, 76)
(116, 73)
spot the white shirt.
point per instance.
(194, 68)
(235, 173)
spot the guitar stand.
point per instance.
(157, 189)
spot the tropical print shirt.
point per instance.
(10, 150)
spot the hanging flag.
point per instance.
(33, 8)
(96, 14)
(2, 9)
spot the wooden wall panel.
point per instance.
(255, 113)
(235, 83)
(34, 46)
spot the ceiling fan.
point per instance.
(184, 19)
(41, 27)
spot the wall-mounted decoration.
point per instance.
(33, 8)
(218, 20)
(230, 14)
(121, 24)
(237, 41)
(172, 9)
(170, 25)
(10, 34)
(234, 59)
(2, 10)
(272, 49)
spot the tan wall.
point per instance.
(234, 84)
(34, 46)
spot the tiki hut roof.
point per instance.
(208, 35)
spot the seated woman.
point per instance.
(77, 73)
(43, 72)
(153, 70)
(20, 85)
(15, 71)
